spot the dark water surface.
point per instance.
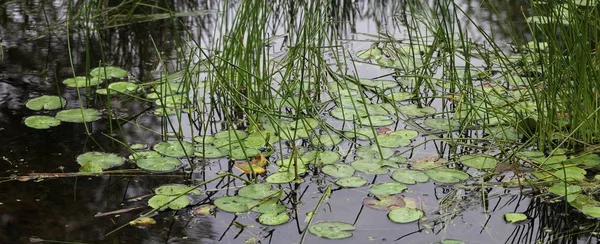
(35, 60)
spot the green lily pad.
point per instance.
(204, 139)
(593, 211)
(172, 101)
(331, 230)
(305, 123)
(168, 88)
(570, 174)
(589, 160)
(123, 87)
(382, 202)
(235, 204)
(176, 190)
(400, 96)
(99, 160)
(369, 166)
(371, 53)
(428, 163)
(287, 165)
(208, 151)
(328, 140)
(365, 133)
(338, 170)
(177, 149)
(162, 164)
(108, 72)
(163, 202)
(351, 182)
(320, 157)
(441, 124)
(281, 178)
(446, 175)
(270, 206)
(46, 102)
(514, 217)
(396, 139)
(559, 189)
(376, 120)
(479, 161)
(405, 215)
(272, 219)
(450, 241)
(257, 191)
(144, 154)
(388, 188)
(414, 111)
(372, 152)
(41, 122)
(81, 81)
(138, 146)
(408, 176)
(379, 84)
(78, 115)
(241, 153)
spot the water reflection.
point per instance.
(36, 58)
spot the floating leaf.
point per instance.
(144, 154)
(386, 189)
(249, 170)
(441, 124)
(400, 96)
(338, 170)
(143, 222)
(273, 218)
(46, 102)
(371, 53)
(231, 134)
(123, 87)
(372, 152)
(331, 230)
(405, 215)
(172, 101)
(82, 81)
(78, 115)
(235, 204)
(384, 202)
(242, 153)
(559, 189)
(514, 217)
(479, 161)
(570, 174)
(100, 160)
(446, 175)
(108, 72)
(41, 122)
(163, 202)
(281, 178)
(270, 206)
(415, 111)
(593, 211)
(162, 164)
(379, 84)
(428, 163)
(320, 157)
(257, 191)
(376, 120)
(351, 182)
(207, 151)
(365, 133)
(396, 139)
(328, 140)
(204, 210)
(175, 190)
(177, 149)
(408, 176)
(369, 166)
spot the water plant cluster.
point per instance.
(266, 125)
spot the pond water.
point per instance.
(38, 54)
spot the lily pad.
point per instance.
(328, 140)
(414, 111)
(396, 139)
(162, 164)
(41, 122)
(514, 217)
(379, 84)
(46, 102)
(108, 72)
(331, 230)
(99, 160)
(338, 170)
(351, 182)
(365, 133)
(479, 161)
(235, 204)
(405, 215)
(178, 149)
(320, 157)
(442, 124)
(384, 202)
(593, 211)
(371, 53)
(428, 163)
(272, 219)
(176, 190)
(123, 87)
(172, 101)
(78, 115)
(388, 188)
(400, 96)
(208, 151)
(257, 191)
(372, 152)
(559, 189)
(82, 81)
(241, 153)
(446, 175)
(163, 202)
(144, 154)
(281, 178)
(376, 120)
(570, 173)
(408, 176)
(370, 166)
(231, 135)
